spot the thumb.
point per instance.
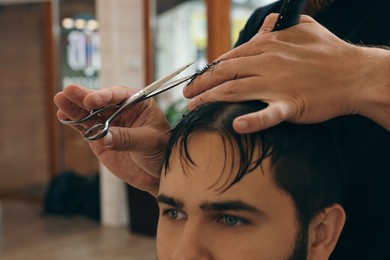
(140, 139)
(263, 119)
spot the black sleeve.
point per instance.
(256, 20)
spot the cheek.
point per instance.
(166, 240)
(267, 242)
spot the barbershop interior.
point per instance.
(56, 200)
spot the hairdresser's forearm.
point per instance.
(373, 100)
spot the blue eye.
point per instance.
(231, 221)
(173, 214)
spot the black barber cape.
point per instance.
(365, 145)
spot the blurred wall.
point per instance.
(25, 101)
(23, 121)
(122, 63)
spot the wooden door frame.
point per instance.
(52, 84)
(218, 28)
(148, 42)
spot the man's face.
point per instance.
(253, 219)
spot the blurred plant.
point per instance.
(175, 111)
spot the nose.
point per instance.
(194, 244)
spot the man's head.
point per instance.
(273, 194)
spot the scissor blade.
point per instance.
(169, 85)
(158, 83)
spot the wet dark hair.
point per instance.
(306, 162)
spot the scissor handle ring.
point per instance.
(96, 132)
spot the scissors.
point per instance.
(99, 130)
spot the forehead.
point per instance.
(215, 164)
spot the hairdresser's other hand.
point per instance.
(134, 151)
(304, 73)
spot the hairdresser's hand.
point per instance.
(134, 151)
(305, 73)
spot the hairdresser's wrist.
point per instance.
(374, 87)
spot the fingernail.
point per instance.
(242, 125)
(108, 140)
(185, 90)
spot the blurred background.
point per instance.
(56, 201)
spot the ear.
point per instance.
(324, 231)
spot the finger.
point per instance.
(256, 44)
(233, 91)
(107, 97)
(250, 48)
(226, 67)
(226, 71)
(248, 77)
(69, 109)
(76, 94)
(138, 139)
(217, 75)
(268, 24)
(64, 117)
(235, 64)
(266, 118)
(247, 49)
(144, 140)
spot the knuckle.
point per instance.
(202, 99)
(267, 58)
(226, 68)
(222, 67)
(270, 58)
(232, 88)
(268, 41)
(259, 119)
(121, 139)
(278, 114)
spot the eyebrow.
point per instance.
(233, 205)
(161, 198)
